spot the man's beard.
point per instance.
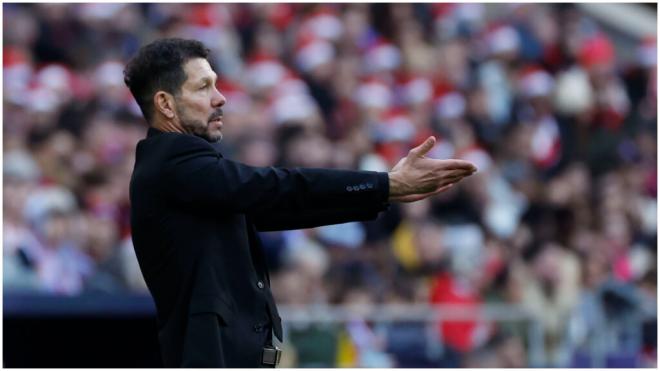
(198, 128)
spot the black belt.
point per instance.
(271, 356)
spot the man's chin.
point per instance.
(213, 137)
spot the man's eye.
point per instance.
(204, 86)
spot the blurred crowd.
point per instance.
(560, 220)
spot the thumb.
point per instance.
(423, 148)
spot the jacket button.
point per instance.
(260, 284)
(258, 328)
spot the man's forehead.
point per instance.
(198, 69)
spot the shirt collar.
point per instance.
(153, 131)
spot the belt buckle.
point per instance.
(271, 356)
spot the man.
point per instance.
(195, 214)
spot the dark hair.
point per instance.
(159, 66)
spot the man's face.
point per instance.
(199, 103)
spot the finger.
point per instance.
(451, 174)
(437, 191)
(423, 148)
(452, 180)
(455, 173)
(459, 165)
(444, 188)
(455, 178)
(455, 165)
(461, 172)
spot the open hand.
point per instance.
(416, 177)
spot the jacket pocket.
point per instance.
(211, 304)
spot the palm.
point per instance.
(417, 197)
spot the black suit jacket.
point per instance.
(195, 217)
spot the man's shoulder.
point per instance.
(164, 145)
(174, 139)
(158, 154)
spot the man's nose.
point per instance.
(218, 99)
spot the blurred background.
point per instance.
(545, 258)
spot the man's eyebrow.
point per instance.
(210, 78)
(213, 77)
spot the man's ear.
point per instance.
(164, 103)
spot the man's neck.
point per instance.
(167, 126)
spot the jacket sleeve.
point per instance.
(196, 175)
(278, 221)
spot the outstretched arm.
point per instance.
(198, 176)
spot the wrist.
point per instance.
(397, 187)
